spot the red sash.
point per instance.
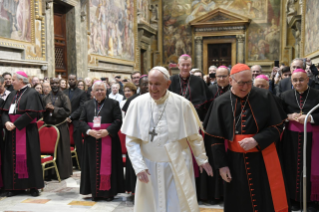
(273, 168)
(106, 159)
(21, 149)
(314, 178)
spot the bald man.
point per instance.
(160, 129)
(222, 79)
(297, 102)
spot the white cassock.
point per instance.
(118, 97)
(168, 157)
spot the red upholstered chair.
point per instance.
(49, 139)
(73, 147)
(124, 151)
(40, 123)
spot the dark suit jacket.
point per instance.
(77, 101)
(285, 85)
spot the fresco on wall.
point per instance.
(112, 28)
(177, 36)
(15, 19)
(143, 11)
(263, 40)
(311, 27)
(254, 9)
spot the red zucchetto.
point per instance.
(239, 68)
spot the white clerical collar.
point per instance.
(162, 99)
(303, 91)
(23, 87)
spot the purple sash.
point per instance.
(21, 149)
(106, 159)
(314, 178)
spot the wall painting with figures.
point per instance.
(263, 31)
(311, 27)
(15, 20)
(112, 29)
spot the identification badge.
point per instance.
(12, 108)
(97, 121)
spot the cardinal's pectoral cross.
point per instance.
(153, 133)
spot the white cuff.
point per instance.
(88, 131)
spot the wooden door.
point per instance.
(60, 43)
(219, 54)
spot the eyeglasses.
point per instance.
(240, 83)
(222, 76)
(301, 80)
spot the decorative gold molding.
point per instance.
(160, 31)
(24, 45)
(234, 19)
(219, 41)
(303, 35)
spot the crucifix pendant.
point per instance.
(153, 134)
(300, 112)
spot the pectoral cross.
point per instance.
(153, 133)
(301, 112)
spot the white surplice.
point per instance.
(168, 157)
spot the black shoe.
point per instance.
(213, 202)
(10, 193)
(109, 199)
(34, 192)
(295, 207)
(94, 199)
(311, 209)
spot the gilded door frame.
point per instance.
(213, 40)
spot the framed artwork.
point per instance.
(263, 39)
(113, 31)
(22, 27)
(311, 30)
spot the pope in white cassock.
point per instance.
(160, 129)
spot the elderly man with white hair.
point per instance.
(102, 168)
(256, 70)
(22, 165)
(115, 92)
(161, 127)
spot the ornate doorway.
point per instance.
(219, 54)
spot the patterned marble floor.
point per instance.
(65, 197)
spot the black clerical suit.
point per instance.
(62, 109)
(28, 107)
(195, 90)
(292, 142)
(218, 90)
(110, 113)
(257, 117)
(77, 98)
